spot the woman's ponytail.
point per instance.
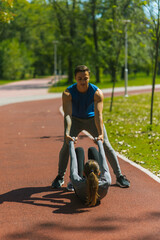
(91, 171)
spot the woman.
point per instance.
(93, 186)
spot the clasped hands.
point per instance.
(74, 139)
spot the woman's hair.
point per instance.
(91, 170)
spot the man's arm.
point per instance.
(98, 108)
(67, 108)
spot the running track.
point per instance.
(31, 137)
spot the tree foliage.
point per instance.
(88, 32)
(5, 10)
(33, 31)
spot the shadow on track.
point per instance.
(61, 200)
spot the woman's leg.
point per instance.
(93, 154)
(80, 160)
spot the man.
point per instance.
(83, 106)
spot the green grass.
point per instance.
(3, 82)
(60, 86)
(129, 129)
(133, 80)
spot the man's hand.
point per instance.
(100, 137)
(69, 138)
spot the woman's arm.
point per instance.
(73, 163)
(103, 163)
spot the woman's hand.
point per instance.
(100, 137)
(69, 138)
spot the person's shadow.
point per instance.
(60, 200)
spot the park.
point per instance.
(32, 122)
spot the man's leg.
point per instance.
(111, 155)
(64, 156)
(109, 151)
(64, 152)
(122, 181)
(63, 159)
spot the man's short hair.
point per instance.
(81, 68)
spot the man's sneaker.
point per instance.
(123, 182)
(58, 182)
(70, 187)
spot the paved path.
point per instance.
(37, 89)
(31, 136)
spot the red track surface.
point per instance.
(31, 137)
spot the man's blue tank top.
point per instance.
(82, 103)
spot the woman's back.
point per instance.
(85, 186)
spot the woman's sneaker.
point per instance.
(58, 182)
(123, 182)
(70, 187)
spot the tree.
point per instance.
(92, 11)
(89, 32)
(114, 17)
(15, 60)
(116, 12)
(66, 15)
(33, 28)
(78, 31)
(5, 10)
(153, 12)
(95, 35)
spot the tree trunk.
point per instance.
(113, 87)
(154, 80)
(95, 37)
(122, 73)
(70, 70)
(72, 37)
(156, 64)
(97, 74)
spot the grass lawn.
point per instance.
(140, 79)
(129, 129)
(3, 82)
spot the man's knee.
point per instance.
(107, 145)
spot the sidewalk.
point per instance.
(31, 137)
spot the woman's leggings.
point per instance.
(92, 155)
